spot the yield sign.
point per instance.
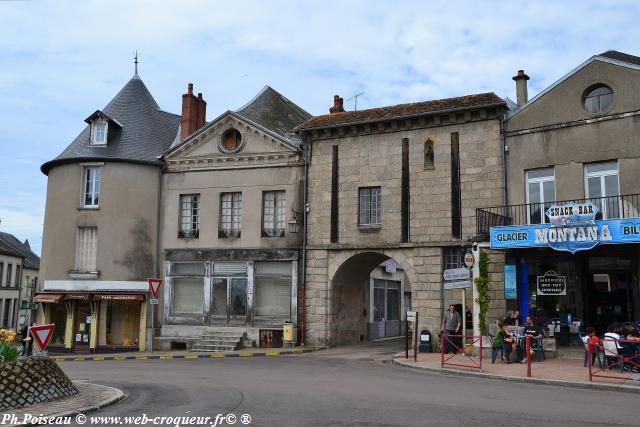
(42, 335)
(154, 287)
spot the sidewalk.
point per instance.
(557, 371)
(183, 354)
(91, 397)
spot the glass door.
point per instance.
(238, 301)
(219, 301)
(229, 301)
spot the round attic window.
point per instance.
(597, 98)
(231, 141)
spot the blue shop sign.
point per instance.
(571, 228)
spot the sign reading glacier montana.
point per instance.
(571, 228)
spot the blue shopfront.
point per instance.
(573, 267)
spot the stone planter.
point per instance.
(32, 380)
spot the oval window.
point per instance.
(597, 98)
(231, 140)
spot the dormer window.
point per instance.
(99, 133)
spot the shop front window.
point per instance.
(273, 289)
(122, 323)
(58, 318)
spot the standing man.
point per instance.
(451, 324)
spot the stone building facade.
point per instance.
(399, 182)
(573, 144)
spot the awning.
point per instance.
(118, 297)
(48, 298)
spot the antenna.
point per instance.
(355, 98)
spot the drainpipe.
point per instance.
(307, 156)
(504, 148)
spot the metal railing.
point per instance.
(612, 207)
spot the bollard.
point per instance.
(528, 350)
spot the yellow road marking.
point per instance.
(217, 355)
(98, 358)
(141, 357)
(79, 359)
(244, 354)
(190, 356)
(272, 353)
(166, 357)
(119, 358)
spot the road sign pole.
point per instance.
(464, 317)
(153, 318)
(406, 337)
(415, 339)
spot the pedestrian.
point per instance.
(26, 337)
(451, 325)
(24, 332)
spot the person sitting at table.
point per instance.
(630, 350)
(536, 334)
(611, 346)
(503, 340)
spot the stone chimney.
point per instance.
(194, 110)
(338, 105)
(521, 88)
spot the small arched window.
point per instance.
(428, 155)
(231, 141)
(597, 98)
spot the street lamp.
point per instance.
(293, 226)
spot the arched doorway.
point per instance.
(368, 298)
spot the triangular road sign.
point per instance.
(154, 287)
(42, 335)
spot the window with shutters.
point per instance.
(273, 208)
(189, 216)
(230, 215)
(86, 249)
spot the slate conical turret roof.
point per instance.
(140, 134)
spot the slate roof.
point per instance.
(269, 110)
(10, 245)
(273, 111)
(146, 131)
(621, 56)
(404, 111)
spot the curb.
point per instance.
(272, 353)
(542, 381)
(118, 396)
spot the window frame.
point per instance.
(370, 222)
(601, 175)
(239, 146)
(587, 95)
(232, 232)
(7, 283)
(94, 132)
(540, 182)
(77, 266)
(95, 193)
(275, 231)
(192, 233)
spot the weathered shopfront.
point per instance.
(95, 322)
(575, 266)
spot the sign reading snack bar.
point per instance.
(552, 284)
(571, 228)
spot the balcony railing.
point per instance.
(612, 207)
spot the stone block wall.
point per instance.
(32, 380)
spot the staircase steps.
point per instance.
(217, 342)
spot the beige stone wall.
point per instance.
(375, 160)
(128, 210)
(210, 184)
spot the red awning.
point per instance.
(118, 297)
(48, 298)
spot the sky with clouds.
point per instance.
(61, 60)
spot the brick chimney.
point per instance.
(194, 110)
(521, 88)
(338, 105)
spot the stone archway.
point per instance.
(349, 273)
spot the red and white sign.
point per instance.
(154, 290)
(42, 335)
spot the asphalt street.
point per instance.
(336, 388)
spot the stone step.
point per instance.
(214, 341)
(205, 347)
(215, 335)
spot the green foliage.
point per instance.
(8, 351)
(482, 287)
